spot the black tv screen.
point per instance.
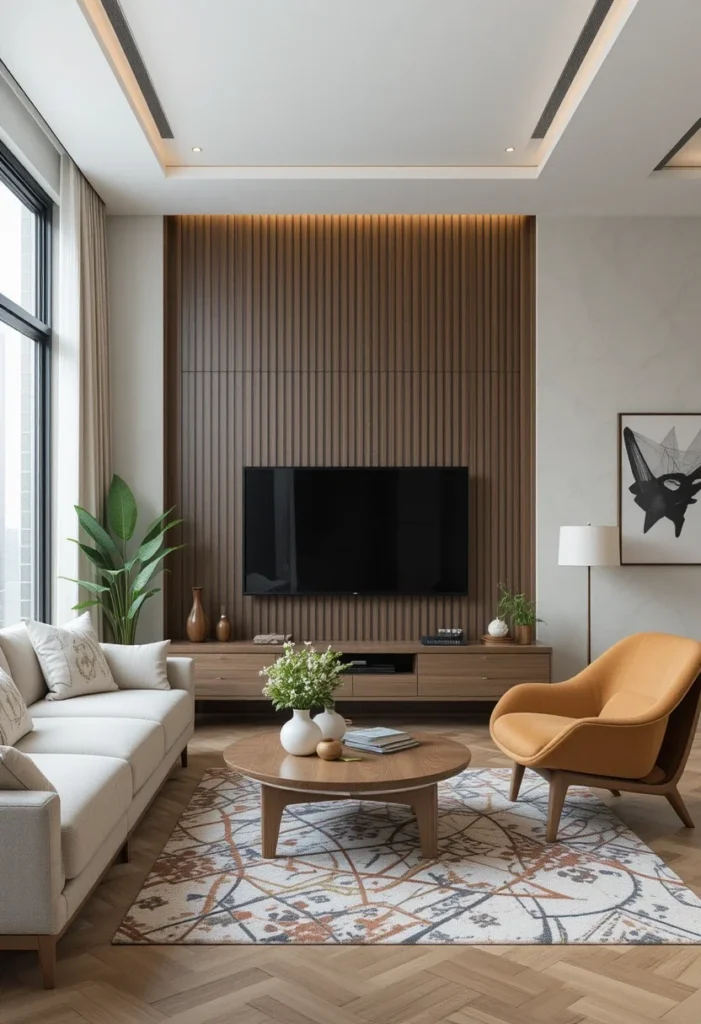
(355, 531)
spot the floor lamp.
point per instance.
(589, 545)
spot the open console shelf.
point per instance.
(393, 670)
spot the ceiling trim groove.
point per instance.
(686, 137)
(581, 48)
(119, 23)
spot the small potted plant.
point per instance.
(299, 681)
(522, 613)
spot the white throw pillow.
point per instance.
(17, 771)
(138, 666)
(15, 720)
(71, 658)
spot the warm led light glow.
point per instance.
(510, 149)
(197, 149)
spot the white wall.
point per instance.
(135, 254)
(618, 330)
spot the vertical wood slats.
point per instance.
(368, 340)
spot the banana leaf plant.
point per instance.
(121, 584)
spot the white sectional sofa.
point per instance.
(107, 755)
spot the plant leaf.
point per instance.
(147, 551)
(95, 555)
(98, 533)
(121, 509)
(152, 528)
(140, 600)
(93, 588)
(150, 567)
(85, 604)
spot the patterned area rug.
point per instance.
(350, 872)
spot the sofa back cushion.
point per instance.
(22, 663)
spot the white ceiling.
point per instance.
(369, 105)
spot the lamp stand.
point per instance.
(588, 615)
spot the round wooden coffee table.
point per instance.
(408, 777)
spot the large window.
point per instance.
(25, 343)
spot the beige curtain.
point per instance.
(96, 456)
(82, 408)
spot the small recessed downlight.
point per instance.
(510, 149)
(197, 149)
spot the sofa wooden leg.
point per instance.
(46, 948)
(125, 852)
(558, 792)
(183, 757)
(516, 780)
(679, 806)
(615, 792)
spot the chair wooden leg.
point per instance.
(516, 780)
(46, 948)
(558, 792)
(183, 757)
(679, 806)
(615, 792)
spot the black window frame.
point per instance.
(37, 327)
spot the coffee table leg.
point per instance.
(425, 804)
(272, 803)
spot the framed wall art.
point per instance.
(659, 480)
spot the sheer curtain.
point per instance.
(82, 450)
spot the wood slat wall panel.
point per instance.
(348, 341)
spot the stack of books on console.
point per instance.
(379, 740)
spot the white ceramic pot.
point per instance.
(300, 735)
(332, 725)
(497, 627)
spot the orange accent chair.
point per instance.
(626, 722)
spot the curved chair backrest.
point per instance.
(645, 676)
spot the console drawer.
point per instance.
(515, 666)
(385, 686)
(464, 687)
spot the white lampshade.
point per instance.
(589, 545)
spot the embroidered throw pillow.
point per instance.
(15, 720)
(17, 771)
(71, 658)
(138, 666)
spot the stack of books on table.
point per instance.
(379, 740)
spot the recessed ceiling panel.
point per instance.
(355, 82)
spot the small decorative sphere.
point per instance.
(329, 750)
(497, 627)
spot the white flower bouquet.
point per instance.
(303, 679)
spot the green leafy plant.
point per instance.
(121, 584)
(303, 679)
(516, 607)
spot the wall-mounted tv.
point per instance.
(347, 530)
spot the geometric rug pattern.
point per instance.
(348, 872)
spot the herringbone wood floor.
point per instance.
(102, 984)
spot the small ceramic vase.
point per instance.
(223, 629)
(332, 725)
(329, 750)
(197, 620)
(497, 627)
(300, 735)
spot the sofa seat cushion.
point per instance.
(525, 734)
(140, 743)
(94, 793)
(170, 708)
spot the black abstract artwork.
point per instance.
(666, 480)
